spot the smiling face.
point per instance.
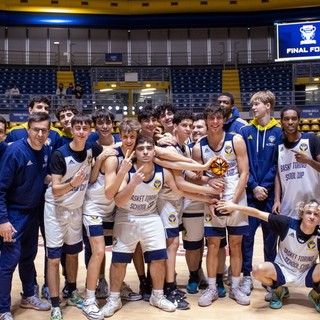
(290, 122)
(104, 127)
(215, 122)
(165, 120)
(38, 133)
(39, 107)
(128, 140)
(148, 126)
(199, 129)
(80, 131)
(310, 217)
(65, 119)
(183, 129)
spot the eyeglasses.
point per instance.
(37, 130)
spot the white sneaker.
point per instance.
(162, 303)
(102, 289)
(247, 285)
(6, 316)
(112, 305)
(126, 293)
(91, 310)
(237, 295)
(208, 296)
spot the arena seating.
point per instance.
(195, 87)
(82, 77)
(277, 78)
(28, 80)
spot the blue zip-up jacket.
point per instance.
(262, 148)
(234, 123)
(22, 172)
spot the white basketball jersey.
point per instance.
(299, 182)
(296, 256)
(226, 152)
(144, 198)
(95, 202)
(73, 199)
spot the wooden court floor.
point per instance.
(294, 308)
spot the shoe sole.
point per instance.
(239, 302)
(92, 318)
(110, 315)
(34, 308)
(134, 298)
(166, 310)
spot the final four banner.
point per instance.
(298, 41)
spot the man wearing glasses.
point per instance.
(23, 170)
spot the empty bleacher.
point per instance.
(277, 78)
(195, 87)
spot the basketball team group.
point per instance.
(210, 179)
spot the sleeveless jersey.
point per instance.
(73, 199)
(295, 255)
(144, 198)
(166, 193)
(95, 200)
(299, 182)
(227, 152)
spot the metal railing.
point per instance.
(118, 102)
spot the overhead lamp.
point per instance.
(105, 90)
(148, 89)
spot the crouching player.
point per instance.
(295, 264)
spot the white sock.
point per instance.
(91, 294)
(212, 282)
(114, 295)
(157, 293)
(235, 282)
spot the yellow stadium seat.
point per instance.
(305, 121)
(305, 127)
(315, 127)
(315, 121)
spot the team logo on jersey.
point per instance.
(207, 218)
(157, 184)
(48, 142)
(206, 150)
(30, 163)
(311, 245)
(45, 159)
(172, 218)
(250, 137)
(303, 147)
(71, 162)
(89, 160)
(291, 235)
(114, 241)
(272, 139)
(93, 218)
(228, 150)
